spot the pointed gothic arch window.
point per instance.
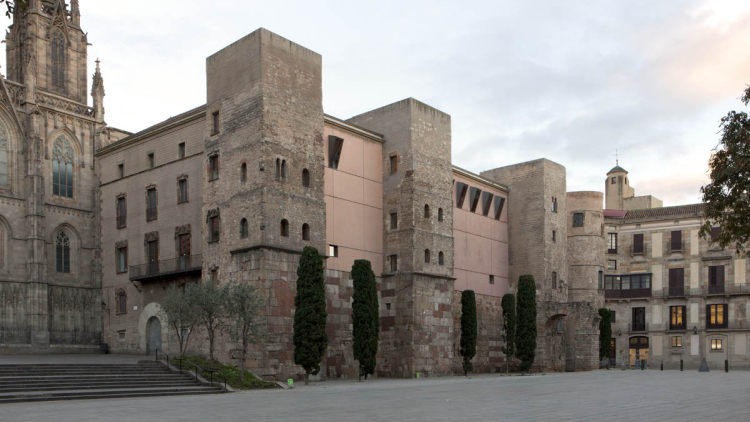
(3, 158)
(58, 60)
(62, 168)
(62, 253)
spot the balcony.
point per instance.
(183, 265)
(676, 247)
(676, 291)
(637, 328)
(637, 251)
(715, 289)
(627, 293)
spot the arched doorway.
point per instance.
(153, 332)
(638, 351)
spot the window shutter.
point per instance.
(708, 315)
(676, 240)
(720, 275)
(638, 243)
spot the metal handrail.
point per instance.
(196, 368)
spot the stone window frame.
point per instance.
(578, 218)
(284, 227)
(53, 37)
(151, 159)
(393, 220)
(215, 122)
(244, 229)
(393, 160)
(214, 166)
(120, 307)
(210, 216)
(149, 216)
(440, 215)
(306, 232)
(427, 257)
(243, 171)
(441, 258)
(554, 280)
(305, 178)
(148, 238)
(393, 262)
(180, 200)
(181, 231)
(121, 221)
(120, 170)
(119, 246)
(717, 345)
(181, 150)
(676, 341)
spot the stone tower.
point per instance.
(617, 189)
(586, 246)
(50, 132)
(417, 178)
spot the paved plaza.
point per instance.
(592, 396)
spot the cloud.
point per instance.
(571, 81)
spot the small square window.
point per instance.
(611, 265)
(387, 306)
(181, 150)
(151, 160)
(333, 250)
(121, 335)
(676, 341)
(554, 235)
(614, 180)
(394, 163)
(394, 221)
(394, 263)
(492, 279)
(578, 219)
(121, 170)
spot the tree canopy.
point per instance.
(310, 338)
(727, 197)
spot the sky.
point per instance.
(572, 81)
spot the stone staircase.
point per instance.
(29, 383)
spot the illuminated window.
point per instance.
(716, 344)
(676, 341)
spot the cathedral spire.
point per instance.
(97, 92)
(75, 13)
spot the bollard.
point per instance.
(662, 365)
(643, 364)
(726, 365)
(680, 364)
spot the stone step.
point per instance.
(22, 387)
(86, 377)
(93, 394)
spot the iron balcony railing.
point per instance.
(165, 267)
(676, 291)
(715, 289)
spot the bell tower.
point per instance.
(46, 50)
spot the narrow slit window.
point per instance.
(181, 150)
(306, 232)
(461, 189)
(499, 203)
(284, 228)
(393, 160)
(215, 121)
(474, 194)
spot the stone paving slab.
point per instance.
(592, 396)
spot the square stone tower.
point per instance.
(418, 236)
(264, 150)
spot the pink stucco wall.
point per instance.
(480, 243)
(354, 201)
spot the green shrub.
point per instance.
(605, 333)
(509, 328)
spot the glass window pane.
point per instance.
(625, 283)
(55, 178)
(69, 180)
(66, 259)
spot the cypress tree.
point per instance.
(526, 332)
(365, 316)
(605, 333)
(509, 328)
(310, 337)
(468, 329)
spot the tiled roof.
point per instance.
(692, 210)
(615, 213)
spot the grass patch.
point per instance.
(231, 372)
